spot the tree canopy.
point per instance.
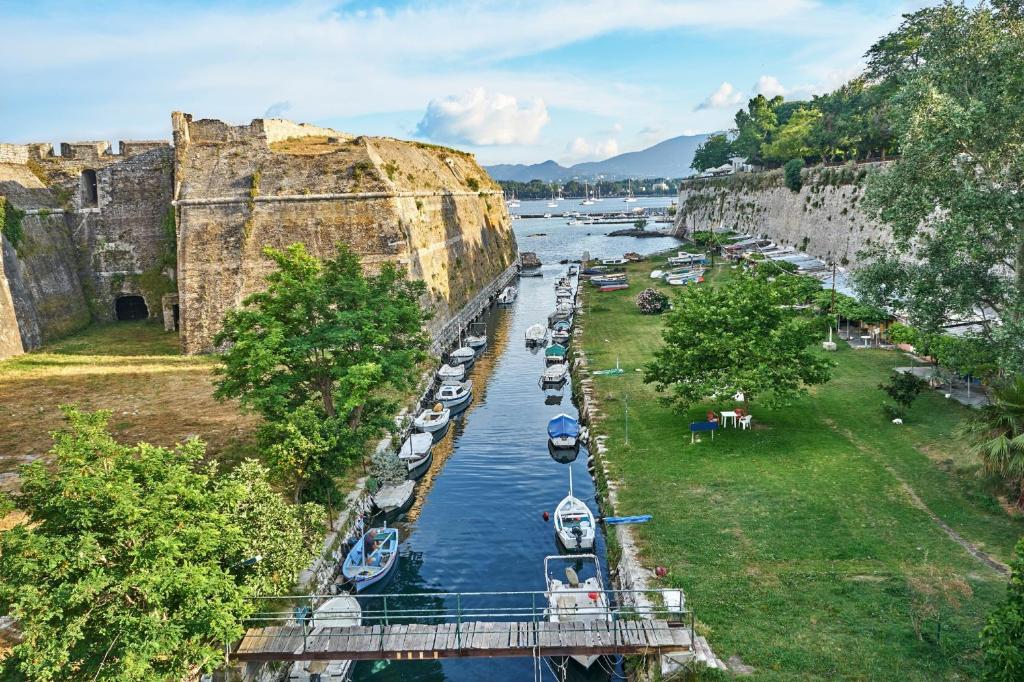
(713, 152)
(742, 337)
(314, 354)
(138, 562)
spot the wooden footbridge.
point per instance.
(442, 625)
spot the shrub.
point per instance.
(652, 302)
(791, 174)
(900, 333)
(904, 389)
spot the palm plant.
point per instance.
(996, 434)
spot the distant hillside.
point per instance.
(668, 159)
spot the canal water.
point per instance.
(477, 522)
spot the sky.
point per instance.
(518, 81)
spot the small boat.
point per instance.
(554, 353)
(629, 194)
(574, 270)
(563, 431)
(392, 500)
(342, 611)
(657, 274)
(560, 336)
(565, 325)
(430, 421)
(531, 272)
(416, 453)
(555, 374)
(508, 296)
(477, 339)
(536, 335)
(614, 287)
(464, 356)
(613, 261)
(575, 600)
(454, 394)
(451, 372)
(372, 558)
(574, 522)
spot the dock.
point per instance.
(464, 640)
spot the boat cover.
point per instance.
(563, 426)
(555, 351)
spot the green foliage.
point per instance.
(1003, 637)
(473, 184)
(254, 185)
(391, 168)
(968, 354)
(10, 222)
(640, 224)
(951, 69)
(713, 152)
(899, 333)
(321, 343)
(793, 140)
(995, 434)
(903, 388)
(740, 337)
(755, 127)
(791, 173)
(132, 565)
(386, 468)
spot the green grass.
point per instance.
(796, 542)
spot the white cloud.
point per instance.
(480, 118)
(580, 149)
(724, 97)
(769, 86)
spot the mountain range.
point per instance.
(668, 159)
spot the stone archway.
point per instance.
(129, 308)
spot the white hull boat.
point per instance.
(574, 523)
(451, 372)
(563, 431)
(464, 356)
(416, 452)
(508, 296)
(536, 335)
(431, 421)
(560, 336)
(454, 394)
(555, 374)
(577, 601)
(476, 341)
(392, 500)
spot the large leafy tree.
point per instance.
(713, 152)
(314, 354)
(1003, 636)
(954, 199)
(755, 126)
(793, 139)
(138, 562)
(742, 337)
(996, 434)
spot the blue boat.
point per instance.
(372, 558)
(562, 325)
(564, 431)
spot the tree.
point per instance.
(313, 353)
(713, 152)
(742, 337)
(954, 199)
(755, 126)
(791, 174)
(995, 434)
(793, 140)
(903, 388)
(139, 562)
(1002, 639)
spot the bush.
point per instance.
(1003, 636)
(791, 174)
(652, 302)
(900, 333)
(904, 389)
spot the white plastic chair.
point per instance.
(745, 421)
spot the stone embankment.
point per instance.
(628, 571)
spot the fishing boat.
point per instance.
(392, 500)
(452, 372)
(554, 353)
(574, 522)
(508, 296)
(477, 339)
(416, 453)
(432, 420)
(372, 558)
(536, 335)
(574, 600)
(454, 394)
(555, 374)
(563, 431)
(560, 336)
(464, 356)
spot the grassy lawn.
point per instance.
(133, 369)
(804, 543)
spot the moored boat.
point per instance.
(574, 600)
(372, 558)
(464, 356)
(451, 372)
(392, 500)
(454, 394)
(574, 522)
(508, 295)
(536, 335)
(416, 453)
(560, 336)
(432, 420)
(563, 431)
(555, 353)
(555, 374)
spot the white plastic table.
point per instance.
(726, 415)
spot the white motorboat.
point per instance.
(464, 356)
(536, 335)
(508, 295)
(555, 374)
(415, 453)
(574, 522)
(477, 339)
(574, 600)
(454, 394)
(560, 336)
(432, 420)
(453, 372)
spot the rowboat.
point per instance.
(416, 453)
(615, 287)
(575, 600)
(574, 522)
(455, 394)
(372, 558)
(433, 420)
(563, 431)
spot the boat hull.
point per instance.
(563, 442)
(419, 467)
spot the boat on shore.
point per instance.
(563, 431)
(372, 558)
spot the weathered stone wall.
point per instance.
(239, 188)
(823, 218)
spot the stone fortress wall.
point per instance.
(183, 227)
(824, 218)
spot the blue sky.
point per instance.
(512, 81)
